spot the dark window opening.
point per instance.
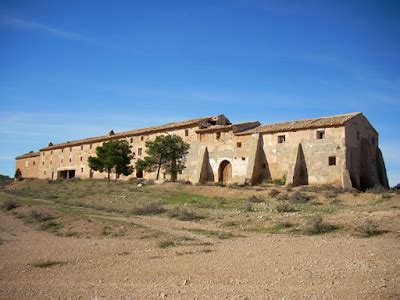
(218, 135)
(62, 149)
(243, 158)
(91, 173)
(281, 139)
(81, 158)
(186, 132)
(81, 170)
(131, 140)
(70, 160)
(264, 166)
(90, 146)
(51, 162)
(332, 160)
(70, 149)
(139, 173)
(142, 138)
(51, 152)
(34, 163)
(139, 151)
(42, 163)
(239, 144)
(320, 134)
(81, 147)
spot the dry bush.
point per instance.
(151, 208)
(368, 229)
(316, 225)
(378, 189)
(273, 193)
(282, 197)
(284, 207)
(255, 199)
(9, 205)
(248, 206)
(184, 214)
(289, 187)
(40, 216)
(299, 197)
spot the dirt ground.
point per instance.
(231, 252)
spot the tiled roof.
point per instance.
(236, 128)
(333, 121)
(29, 154)
(134, 132)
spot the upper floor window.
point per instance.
(82, 147)
(139, 151)
(70, 149)
(239, 144)
(90, 146)
(34, 163)
(131, 140)
(142, 138)
(332, 160)
(218, 135)
(186, 132)
(281, 139)
(320, 134)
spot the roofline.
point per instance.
(355, 114)
(228, 127)
(130, 133)
(27, 155)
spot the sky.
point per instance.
(75, 69)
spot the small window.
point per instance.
(82, 147)
(51, 162)
(70, 149)
(44, 172)
(218, 135)
(62, 149)
(332, 160)
(320, 134)
(81, 158)
(131, 140)
(186, 132)
(281, 139)
(70, 160)
(51, 152)
(34, 163)
(81, 170)
(90, 146)
(43, 153)
(42, 163)
(264, 166)
(142, 138)
(180, 172)
(239, 144)
(139, 151)
(358, 135)
(243, 158)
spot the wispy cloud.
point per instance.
(34, 26)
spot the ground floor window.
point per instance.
(332, 160)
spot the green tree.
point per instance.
(167, 151)
(18, 174)
(113, 157)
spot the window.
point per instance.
(358, 135)
(44, 172)
(34, 163)
(81, 158)
(70, 159)
(62, 149)
(51, 162)
(82, 147)
(142, 138)
(320, 134)
(42, 163)
(239, 144)
(131, 140)
(332, 160)
(218, 135)
(264, 166)
(51, 152)
(70, 149)
(186, 132)
(281, 139)
(81, 170)
(43, 153)
(139, 151)
(90, 146)
(243, 158)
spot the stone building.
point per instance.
(341, 150)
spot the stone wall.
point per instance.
(29, 166)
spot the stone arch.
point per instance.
(225, 172)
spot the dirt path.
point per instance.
(257, 266)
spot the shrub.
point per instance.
(330, 194)
(378, 189)
(40, 216)
(152, 208)
(280, 181)
(368, 229)
(283, 197)
(184, 214)
(9, 205)
(289, 187)
(386, 196)
(48, 264)
(273, 193)
(166, 244)
(284, 207)
(299, 197)
(248, 206)
(255, 199)
(316, 225)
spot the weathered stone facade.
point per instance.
(341, 150)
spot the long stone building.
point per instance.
(342, 150)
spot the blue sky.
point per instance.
(73, 69)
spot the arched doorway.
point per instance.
(225, 172)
